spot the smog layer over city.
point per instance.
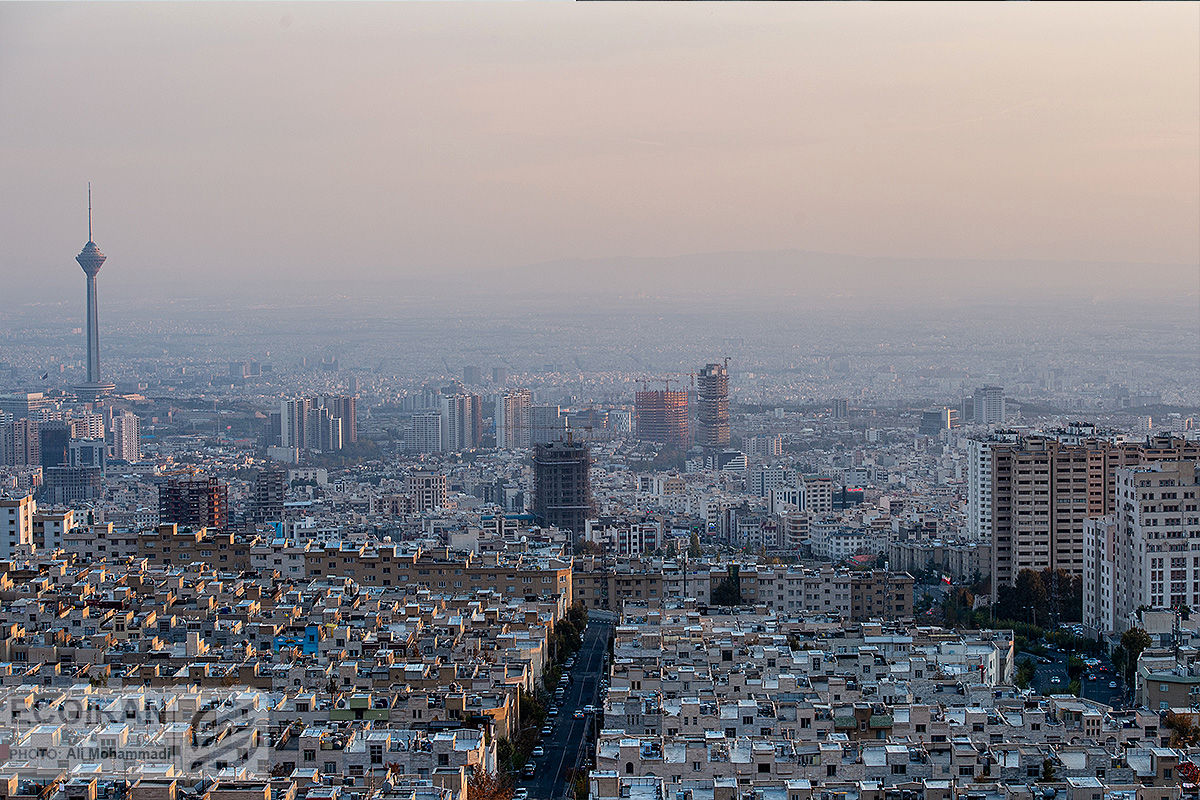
(495, 401)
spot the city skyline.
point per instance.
(597, 401)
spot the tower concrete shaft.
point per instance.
(91, 260)
(93, 333)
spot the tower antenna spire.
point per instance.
(89, 211)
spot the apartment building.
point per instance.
(966, 561)
(609, 583)
(1034, 494)
(16, 524)
(1146, 554)
(427, 490)
(50, 525)
(515, 575)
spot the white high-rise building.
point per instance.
(817, 497)
(127, 437)
(979, 490)
(428, 490)
(620, 421)
(764, 480)
(513, 430)
(989, 405)
(87, 426)
(16, 524)
(785, 499)
(309, 423)
(1143, 554)
(293, 414)
(461, 414)
(426, 433)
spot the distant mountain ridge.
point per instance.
(806, 273)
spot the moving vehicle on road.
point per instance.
(529, 770)
(1112, 684)
(538, 752)
(578, 713)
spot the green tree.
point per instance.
(1025, 672)
(482, 785)
(729, 591)
(504, 755)
(586, 548)
(1184, 732)
(550, 678)
(1031, 596)
(956, 607)
(694, 547)
(1133, 642)
(578, 615)
(1064, 595)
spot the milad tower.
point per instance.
(91, 259)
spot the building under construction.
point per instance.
(562, 490)
(270, 486)
(663, 417)
(712, 406)
(197, 502)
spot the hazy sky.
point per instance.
(375, 139)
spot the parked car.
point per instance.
(529, 770)
(520, 793)
(538, 752)
(1055, 679)
(547, 729)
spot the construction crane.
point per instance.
(186, 469)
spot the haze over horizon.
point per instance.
(954, 153)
